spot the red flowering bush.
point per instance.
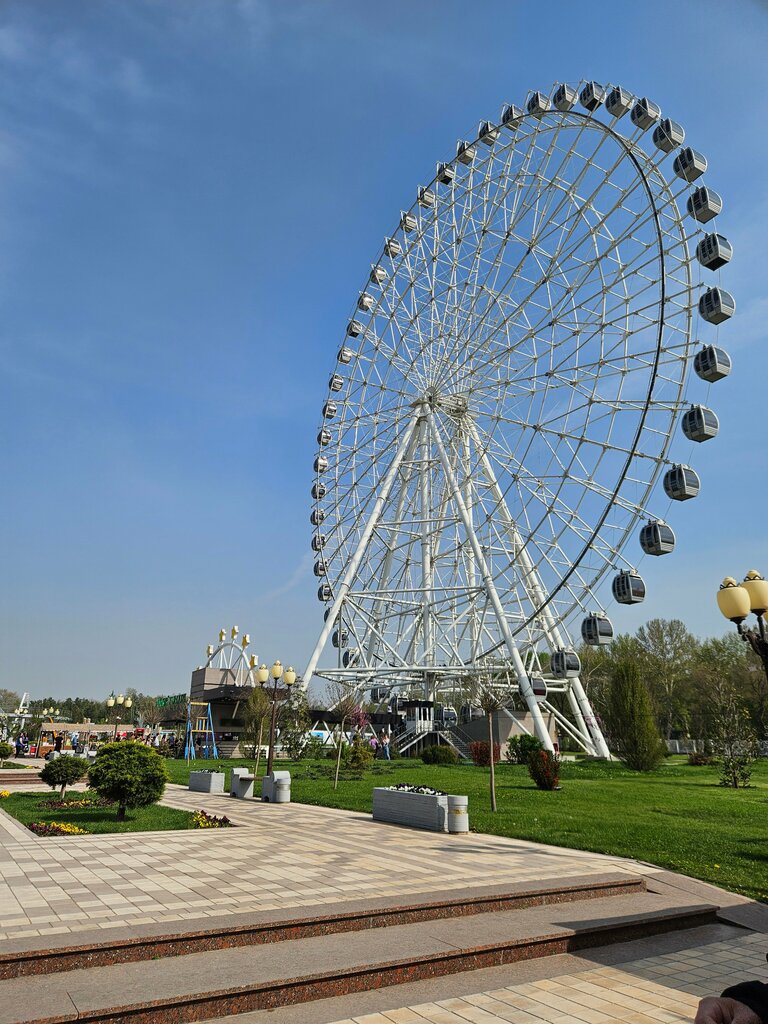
(544, 769)
(480, 752)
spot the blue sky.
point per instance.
(190, 193)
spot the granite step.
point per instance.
(95, 949)
(200, 986)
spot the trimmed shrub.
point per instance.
(520, 747)
(360, 753)
(699, 758)
(544, 769)
(480, 752)
(129, 774)
(631, 722)
(6, 749)
(439, 753)
(64, 771)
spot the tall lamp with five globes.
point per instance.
(737, 600)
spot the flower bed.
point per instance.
(201, 819)
(405, 787)
(4, 793)
(56, 828)
(76, 805)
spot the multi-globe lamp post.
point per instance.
(737, 600)
(289, 678)
(121, 702)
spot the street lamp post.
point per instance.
(121, 702)
(289, 678)
(737, 600)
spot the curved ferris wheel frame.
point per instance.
(231, 657)
(505, 398)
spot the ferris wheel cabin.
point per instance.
(350, 657)
(336, 382)
(320, 568)
(511, 116)
(465, 152)
(714, 251)
(340, 638)
(689, 164)
(324, 592)
(717, 305)
(618, 101)
(487, 133)
(324, 437)
(408, 222)
(317, 516)
(596, 630)
(681, 483)
(700, 424)
(318, 542)
(538, 104)
(445, 174)
(565, 98)
(656, 538)
(320, 464)
(392, 247)
(628, 587)
(565, 664)
(354, 328)
(704, 204)
(592, 95)
(712, 363)
(329, 410)
(668, 135)
(645, 114)
(425, 197)
(378, 274)
(344, 355)
(319, 491)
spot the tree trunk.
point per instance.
(122, 808)
(493, 766)
(258, 750)
(338, 755)
(63, 791)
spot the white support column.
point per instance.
(522, 677)
(354, 564)
(469, 555)
(426, 547)
(577, 698)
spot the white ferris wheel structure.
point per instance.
(505, 399)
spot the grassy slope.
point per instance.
(26, 807)
(677, 817)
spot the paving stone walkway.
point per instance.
(279, 857)
(654, 990)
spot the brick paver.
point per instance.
(661, 989)
(280, 857)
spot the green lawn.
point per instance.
(677, 817)
(26, 807)
(15, 764)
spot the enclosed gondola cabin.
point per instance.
(465, 153)
(317, 516)
(565, 97)
(378, 274)
(565, 664)
(700, 424)
(511, 116)
(445, 174)
(618, 101)
(408, 222)
(538, 104)
(714, 251)
(425, 197)
(704, 204)
(392, 247)
(596, 631)
(645, 114)
(340, 638)
(319, 568)
(488, 133)
(324, 437)
(689, 165)
(350, 657)
(318, 542)
(329, 410)
(539, 687)
(628, 587)
(345, 355)
(365, 302)
(320, 464)
(318, 491)
(668, 135)
(712, 363)
(656, 538)
(324, 592)
(335, 382)
(354, 328)
(592, 95)
(717, 305)
(681, 483)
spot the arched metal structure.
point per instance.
(231, 656)
(505, 398)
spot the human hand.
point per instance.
(718, 1010)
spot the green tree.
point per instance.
(256, 714)
(294, 723)
(630, 719)
(667, 654)
(6, 749)
(488, 690)
(64, 771)
(9, 700)
(344, 702)
(733, 735)
(129, 774)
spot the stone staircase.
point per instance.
(151, 977)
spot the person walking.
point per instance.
(385, 752)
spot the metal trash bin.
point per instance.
(276, 788)
(458, 817)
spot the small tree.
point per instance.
(482, 689)
(258, 708)
(733, 737)
(631, 722)
(64, 771)
(129, 774)
(344, 704)
(294, 723)
(6, 749)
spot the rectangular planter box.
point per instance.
(414, 809)
(206, 782)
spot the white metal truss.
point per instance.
(231, 656)
(502, 407)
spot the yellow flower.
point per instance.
(717, 865)
(4, 793)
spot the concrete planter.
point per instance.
(415, 809)
(206, 782)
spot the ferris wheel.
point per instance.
(231, 656)
(506, 397)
